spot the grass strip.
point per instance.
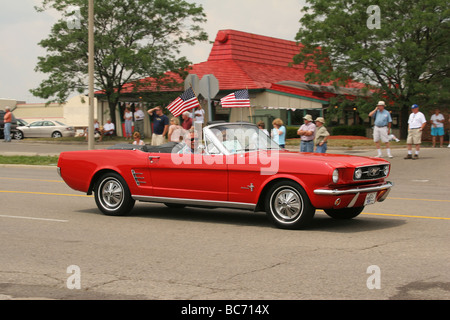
(30, 160)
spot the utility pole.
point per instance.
(91, 134)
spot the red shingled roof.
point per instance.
(243, 60)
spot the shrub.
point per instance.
(349, 131)
(291, 132)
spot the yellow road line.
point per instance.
(41, 180)
(400, 215)
(48, 194)
(366, 213)
(411, 199)
(405, 216)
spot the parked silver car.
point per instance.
(44, 128)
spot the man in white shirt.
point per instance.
(437, 127)
(139, 121)
(199, 115)
(108, 128)
(416, 123)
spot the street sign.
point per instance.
(209, 86)
(192, 80)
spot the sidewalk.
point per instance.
(44, 148)
(54, 148)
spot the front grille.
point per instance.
(371, 172)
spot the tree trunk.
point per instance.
(112, 113)
(404, 115)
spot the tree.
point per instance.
(399, 49)
(133, 39)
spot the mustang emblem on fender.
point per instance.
(251, 187)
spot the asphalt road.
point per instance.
(398, 249)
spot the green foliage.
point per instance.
(30, 160)
(291, 132)
(133, 39)
(349, 131)
(405, 61)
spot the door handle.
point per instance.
(153, 157)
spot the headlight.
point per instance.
(358, 173)
(386, 170)
(335, 175)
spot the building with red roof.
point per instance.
(261, 64)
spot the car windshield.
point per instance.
(60, 123)
(238, 137)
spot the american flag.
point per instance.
(185, 102)
(238, 99)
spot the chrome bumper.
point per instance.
(337, 192)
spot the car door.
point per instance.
(189, 176)
(47, 129)
(247, 174)
(34, 129)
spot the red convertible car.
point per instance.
(232, 165)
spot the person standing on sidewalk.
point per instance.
(449, 133)
(7, 118)
(322, 134)
(139, 121)
(416, 123)
(128, 117)
(382, 126)
(160, 125)
(307, 134)
(437, 127)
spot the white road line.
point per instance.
(31, 218)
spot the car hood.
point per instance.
(336, 160)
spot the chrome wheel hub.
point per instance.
(288, 204)
(112, 194)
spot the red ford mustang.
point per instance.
(233, 165)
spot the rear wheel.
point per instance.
(288, 205)
(112, 195)
(345, 213)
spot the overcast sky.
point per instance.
(21, 28)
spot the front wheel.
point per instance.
(345, 213)
(18, 135)
(112, 195)
(56, 134)
(288, 205)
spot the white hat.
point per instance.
(381, 103)
(308, 117)
(320, 119)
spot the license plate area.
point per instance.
(371, 198)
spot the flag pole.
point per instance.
(200, 140)
(251, 116)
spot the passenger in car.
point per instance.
(176, 131)
(137, 139)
